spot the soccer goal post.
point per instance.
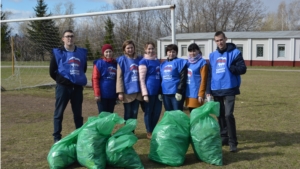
(27, 65)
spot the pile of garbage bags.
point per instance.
(172, 135)
(94, 147)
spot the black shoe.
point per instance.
(232, 148)
(225, 142)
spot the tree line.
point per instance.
(35, 39)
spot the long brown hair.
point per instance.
(128, 42)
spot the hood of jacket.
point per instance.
(229, 47)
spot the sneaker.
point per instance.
(232, 148)
(56, 140)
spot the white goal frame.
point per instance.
(13, 66)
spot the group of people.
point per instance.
(135, 79)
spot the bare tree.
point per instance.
(282, 15)
(270, 22)
(231, 15)
(293, 15)
(65, 8)
(286, 18)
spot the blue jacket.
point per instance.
(173, 73)
(194, 78)
(107, 81)
(225, 68)
(71, 65)
(130, 74)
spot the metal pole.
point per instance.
(12, 56)
(173, 24)
(91, 14)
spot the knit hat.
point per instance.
(105, 47)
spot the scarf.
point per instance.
(150, 57)
(195, 59)
(110, 60)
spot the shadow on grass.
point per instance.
(251, 138)
(229, 158)
(272, 138)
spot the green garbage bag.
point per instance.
(63, 152)
(92, 140)
(205, 133)
(119, 150)
(170, 139)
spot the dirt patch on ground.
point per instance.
(28, 103)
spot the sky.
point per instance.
(24, 8)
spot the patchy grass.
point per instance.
(267, 116)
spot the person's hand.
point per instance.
(208, 97)
(178, 96)
(98, 98)
(160, 98)
(146, 99)
(200, 100)
(120, 96)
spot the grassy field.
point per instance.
(267, 115)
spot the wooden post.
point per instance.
(12, 56)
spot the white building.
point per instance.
(274, 48)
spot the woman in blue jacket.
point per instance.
(174, 74)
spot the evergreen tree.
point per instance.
(5, 34)
(89, 50)
(97, 54)
(109, 32)
(43, 33)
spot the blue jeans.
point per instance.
(107, 105)
(170, 102)
(226, 118)
(131, 109)
(152, 112)
(63, 95)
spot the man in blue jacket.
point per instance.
(67, 68)
(223, 83)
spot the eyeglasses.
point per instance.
(69, 36)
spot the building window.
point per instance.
(240, 48)
(183, 50)
(281, 50)
(260, 51)
(202, 49)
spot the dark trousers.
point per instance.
(142, 104)
(131, 109)
(107, 105)
(191, 109)
(63, 95)
(170, 102)
(226, 118)
(152, 112)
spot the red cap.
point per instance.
(105, 47)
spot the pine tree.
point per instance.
(97, 54)
(89, 50)
(43, 33)
(5, 34)
(109, 32)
